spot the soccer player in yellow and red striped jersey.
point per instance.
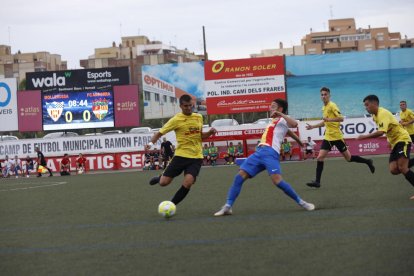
(188, 157)
(397, 136)
(266, 157)
(332, 119)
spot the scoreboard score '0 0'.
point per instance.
(77, 110)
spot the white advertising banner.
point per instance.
(8, 105)
(351, 128)
(82, 144)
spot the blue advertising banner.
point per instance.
(389, 74)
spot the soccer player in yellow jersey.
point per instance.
(397, 136)
(407, 119)
(188, 156)
(332, 118)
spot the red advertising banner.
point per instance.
(29, 106)
(99, 162)
(243, 85)
(126, 102)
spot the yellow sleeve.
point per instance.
(169, 126)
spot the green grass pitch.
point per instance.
(107, 224)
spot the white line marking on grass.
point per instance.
(51, 184)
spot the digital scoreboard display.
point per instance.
(76, 110)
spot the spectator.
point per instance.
(206, 156)
(151, 159)
(80, 164)
(167, 151)
(7, 167)
(212, 152)
(231, 153)
(239, 150)
(310, 149)
(29, 165)
(157, 159)
(17, 166)
(41, 161)
(65, 165)
(286, 149)
(147, 160)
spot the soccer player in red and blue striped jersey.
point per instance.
(266, 157)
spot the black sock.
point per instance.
(319, 169)
(180, 195)
(410, 177)
(358, 159)
(411, 163)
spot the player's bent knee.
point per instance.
(395, 171)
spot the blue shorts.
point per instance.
(264, 158)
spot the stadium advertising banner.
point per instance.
(243, 85)
(76, 99)
(30, 110)
(350, 77)
(8, 104)
(164, 84)
(81, 144)
(77, 80)
(127, 105)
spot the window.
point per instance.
(147, 96)
(164, 98)
(173, 100)
(157, 97)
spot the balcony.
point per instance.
(331, 45)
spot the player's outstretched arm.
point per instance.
(295, 137)
(375, 134)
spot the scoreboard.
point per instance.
(76, 110)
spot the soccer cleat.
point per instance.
(27, 176)
(154, 180)
(314, 184)
(50, 175)
(307, 206)
(371, 165)
(224, 211)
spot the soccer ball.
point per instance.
(80, 171)
(166, 209)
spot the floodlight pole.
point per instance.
(205, 59)
(204, 44)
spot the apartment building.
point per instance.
(135, 51)
(18, 64)
(343, 36)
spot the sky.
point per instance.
(234, 28)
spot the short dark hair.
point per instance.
(403, 102)
(282, 103)
(185, 98)
(326, 89)
(371, 98)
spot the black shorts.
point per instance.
(309, 151)
(167, 156)
(412, 138)
(401, 149)
(339, 144)
(182, 164)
